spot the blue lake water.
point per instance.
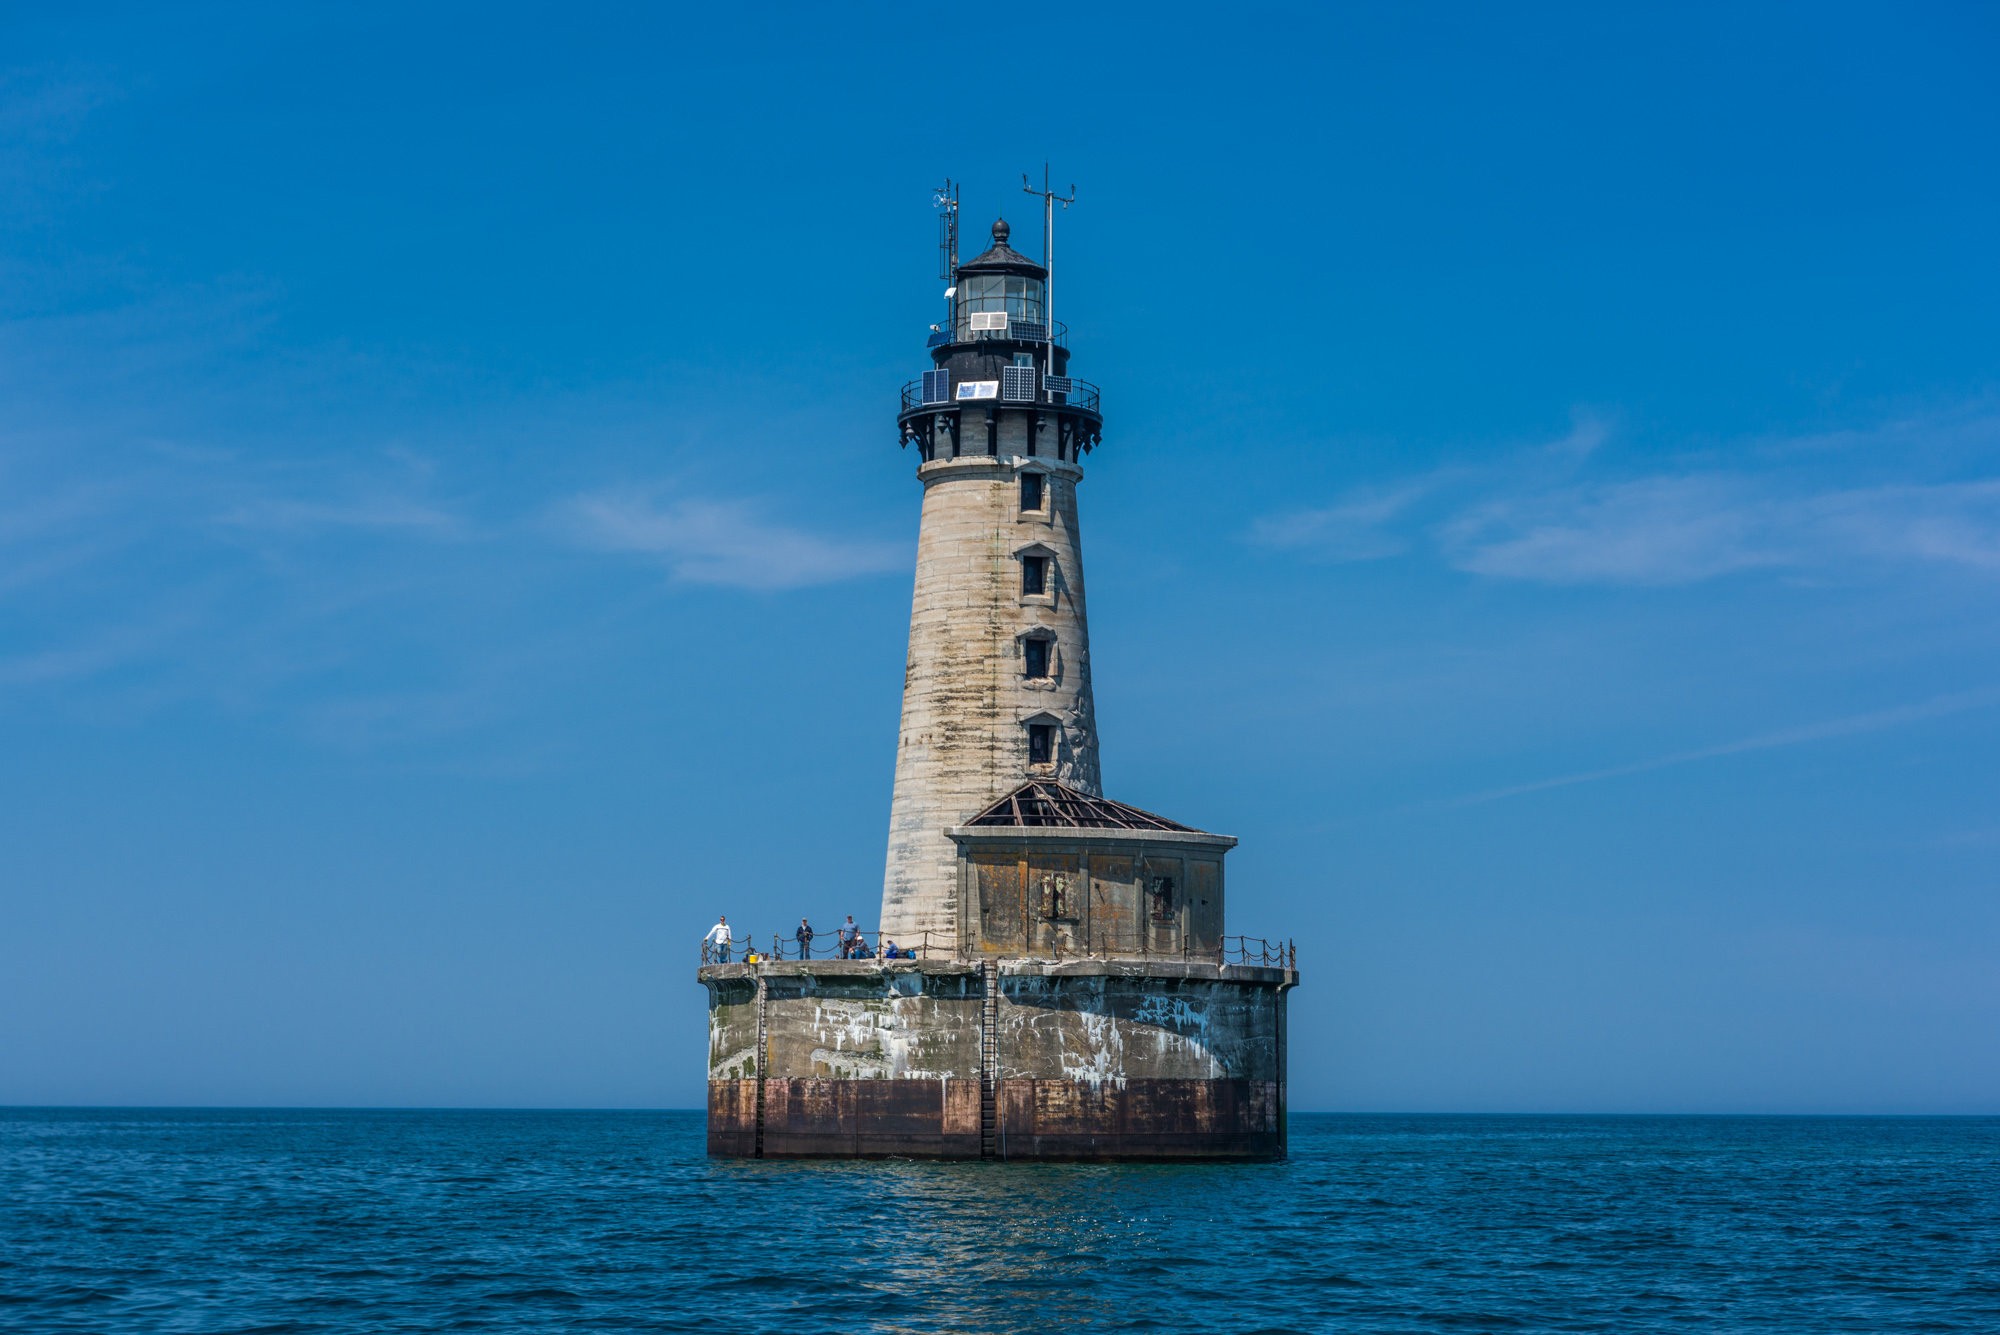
(213, 1221)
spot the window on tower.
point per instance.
(1041, 743)
(1035, 657)
(1033, 491)
(1034, 575)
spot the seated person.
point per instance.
(862, 950)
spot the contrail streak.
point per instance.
(1935, 707)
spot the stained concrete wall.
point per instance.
(1096, 1024)
(1095, 1059)
(964, 741)
(898, 1021)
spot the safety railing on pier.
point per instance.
(1257, 951)
(828, 945)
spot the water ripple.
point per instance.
(347, 1222)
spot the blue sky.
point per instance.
(453, 539)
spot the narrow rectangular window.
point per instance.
(1056, 897)
(1034, 574)
(1041, 743)
(1031, 491)
(1036, 652)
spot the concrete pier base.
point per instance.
(1008, 1059)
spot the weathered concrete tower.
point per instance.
(997, 687)
(1071, 994)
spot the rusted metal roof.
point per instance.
(1044, 804)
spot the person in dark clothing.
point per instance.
(805, 939)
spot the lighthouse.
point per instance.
(1065, 987)
(996, 691)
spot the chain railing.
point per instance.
(829, 945)
(1257, 951)
(1274, 953)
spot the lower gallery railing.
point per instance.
(1273, 953)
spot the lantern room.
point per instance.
(1001, 294)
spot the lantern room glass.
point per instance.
(1017, 294)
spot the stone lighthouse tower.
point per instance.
(1061, 985)
(997, 687)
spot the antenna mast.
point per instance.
(945, 199)
(1049, 201)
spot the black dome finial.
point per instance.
(1000, 230)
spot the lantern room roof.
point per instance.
(1002, 258)
(1044, 804)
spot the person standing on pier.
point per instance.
(718, 937)
(805, 938)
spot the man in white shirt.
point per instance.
(718, 936)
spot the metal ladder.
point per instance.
(989, 1064)
(763, 1060)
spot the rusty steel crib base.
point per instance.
(1144, 1119)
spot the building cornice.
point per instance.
(1071, 834)
(994, 467)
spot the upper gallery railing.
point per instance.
(935, 389)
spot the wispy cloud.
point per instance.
(1536, 518)
(65, 664)
(41, 112)
(104, 648)
(189, 571)
(48, 104)
(1358, 527)
(1939, 706)
(1658, 530)
(720, 541)
(1682, 529)
(284, 515)
(352, 577)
